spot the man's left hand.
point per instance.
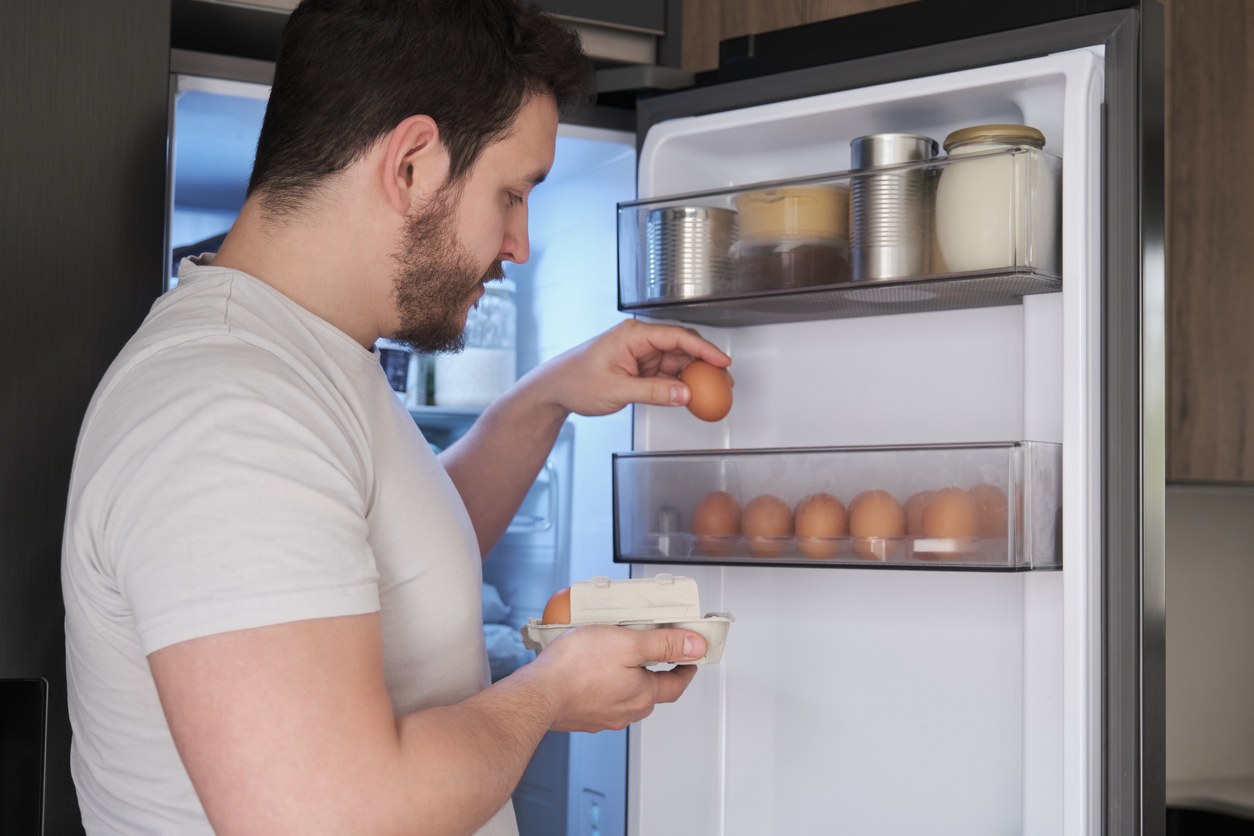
(634, 362)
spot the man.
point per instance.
(271, 584)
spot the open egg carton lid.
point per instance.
(638, 604)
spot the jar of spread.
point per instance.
(998, 211)
(792, 237)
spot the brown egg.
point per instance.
(820, 518)
(716, 516)
(950, 514)
(992, 507)
(765, 522)
(711, 390)
(557, 610)
(915, 506)
(876, 514)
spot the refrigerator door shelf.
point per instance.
(1006, 515)
(793, 259)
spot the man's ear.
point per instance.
(416, 164)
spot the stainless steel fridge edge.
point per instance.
(1134, 435)
(1133, 351)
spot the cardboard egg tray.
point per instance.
(637, 604)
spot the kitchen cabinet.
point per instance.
(706, 22)
(84, 148)
(1210, 249)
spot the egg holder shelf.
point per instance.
(1032, 256)
(656, 494)
(637, 604)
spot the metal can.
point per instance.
(688, 252)
(891, 211)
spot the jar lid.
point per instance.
(1003, 134)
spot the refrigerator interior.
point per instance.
(576, 783)
(214, 128)
(894, 702)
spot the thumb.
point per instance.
(656, 391)
(670, 645)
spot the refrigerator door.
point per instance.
(943, 703)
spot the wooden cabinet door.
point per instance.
(1210, 240)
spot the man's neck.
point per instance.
(310, 259)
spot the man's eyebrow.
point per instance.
(537, 177)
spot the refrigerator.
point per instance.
(881, 700)
(895, 696)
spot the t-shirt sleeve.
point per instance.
(240, 497)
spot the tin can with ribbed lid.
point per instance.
(890, 223)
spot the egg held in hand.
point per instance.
(819, 518)
(557, 610)
(951, 515)
(711, 390)
(766, 521)
(717, 516)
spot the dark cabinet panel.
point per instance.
(83, 147)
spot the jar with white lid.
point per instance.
(998, 212)
(488, 366)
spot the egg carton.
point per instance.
(637, 604)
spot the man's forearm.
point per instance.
(495, 464)
(469, 757)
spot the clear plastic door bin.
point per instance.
(994, 506)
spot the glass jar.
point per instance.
(488, 366)
(1002, 211)
(405, 370)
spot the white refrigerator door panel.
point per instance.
(953, 376)
(895, 702)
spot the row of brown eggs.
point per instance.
(820, 518)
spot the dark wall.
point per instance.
(83, 89)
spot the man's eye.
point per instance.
(515, 199)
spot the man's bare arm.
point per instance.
(495, 463)
(289, 729)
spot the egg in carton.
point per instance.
(637, 604)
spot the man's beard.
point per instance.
(435, 280)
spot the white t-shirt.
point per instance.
(244, 463)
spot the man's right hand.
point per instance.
(596, 681)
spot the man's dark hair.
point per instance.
(349, 71)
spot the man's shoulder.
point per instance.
(215, 332)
